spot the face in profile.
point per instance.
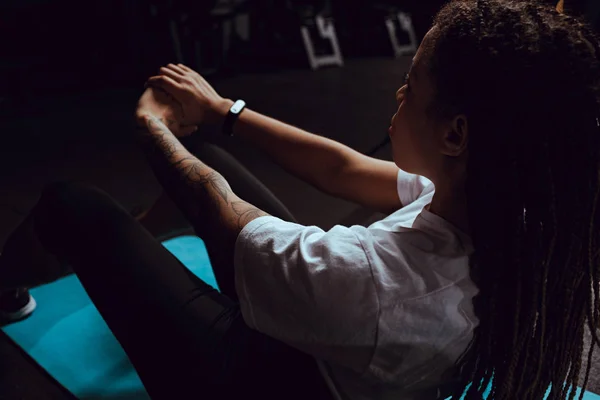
(412, 131)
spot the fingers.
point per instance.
(177, 69)
(180, 74)
(166, 83)
(188, 72)
(186, 69)
(176, 78)
(174, 74)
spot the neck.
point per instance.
(450, 203)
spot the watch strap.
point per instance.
(232, 116)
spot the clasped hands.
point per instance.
(182, 99)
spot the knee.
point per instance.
(68, 205)
(73, 195)
(71, 214)
(62, 192)
(60, 198)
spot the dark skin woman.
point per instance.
(501, 112)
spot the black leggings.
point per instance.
(185, 339)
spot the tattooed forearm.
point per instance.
(198, 190)
(200, 175)
(219, 184)
(246, 212)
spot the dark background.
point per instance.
(60, 45)
(66, 45)
(71, 72)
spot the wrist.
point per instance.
(143, 121)
(223, 109)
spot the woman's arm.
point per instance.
(199, 191)
(312, 158)
(330, 166)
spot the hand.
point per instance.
(157, 103)
(200, 103)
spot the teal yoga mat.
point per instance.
(69, 339)
(586, 395)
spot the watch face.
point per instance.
(237, 106)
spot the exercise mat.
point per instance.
(67, 336)
(69, 339)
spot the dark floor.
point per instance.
(87, 137)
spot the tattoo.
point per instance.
(246, 212)
(219, 184)
(196, 188)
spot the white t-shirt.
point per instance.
(385, 310)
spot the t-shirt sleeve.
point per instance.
(309, 288)
(411, 187)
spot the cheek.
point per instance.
(403, 146)
(404, 125)
(409, 139)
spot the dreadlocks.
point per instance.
(528, 78)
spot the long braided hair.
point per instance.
(528, 79)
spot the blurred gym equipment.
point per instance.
(405, 22)
(201, 32)
(326, 31)
(291, 33)
(375, 28)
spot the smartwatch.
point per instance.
(232, 116)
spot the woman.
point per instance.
(526, 78)
(486, 271)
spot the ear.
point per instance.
(455, 140)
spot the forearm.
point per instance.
(312, 158)
(200, 192)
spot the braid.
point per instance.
(536, 239)
(593, 278)
(541, 316)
